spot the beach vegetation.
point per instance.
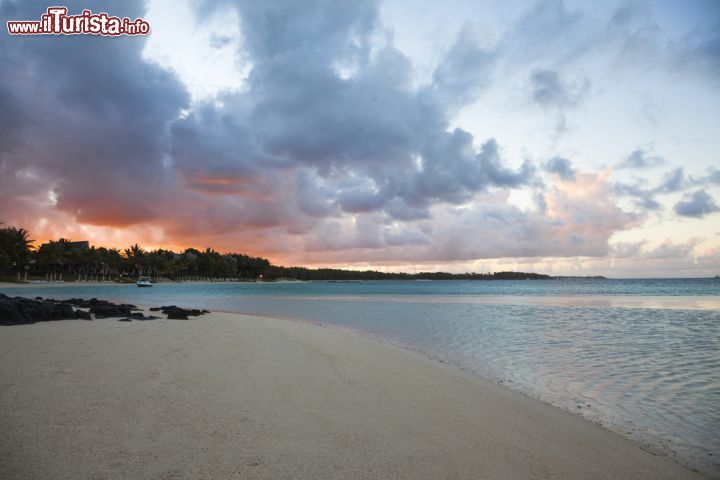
(67, 260)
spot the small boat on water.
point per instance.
(144, 282)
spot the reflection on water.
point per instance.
(694, 302)
(639, 360)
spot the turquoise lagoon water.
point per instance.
(641, 357)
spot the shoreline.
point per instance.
(649, 445)
(345, 393)
(678, 302)
(132, 284)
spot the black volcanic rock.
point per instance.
(141, 316)
(105, 311)
(10, 314)
(83, 315)
(62, 311)
(33, 310)
(176, 314)
(20, 310)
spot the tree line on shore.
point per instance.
(65, 260)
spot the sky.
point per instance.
(562, 137)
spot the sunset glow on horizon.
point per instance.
(563, 137)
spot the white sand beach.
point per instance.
(232, 396)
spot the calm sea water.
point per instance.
(641, 357)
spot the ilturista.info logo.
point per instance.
(56, 21)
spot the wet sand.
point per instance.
(235, 396)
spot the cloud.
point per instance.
(643, 198)
(696, 204)
(562, 167)
(551, 93)
(330, 152)
(627, 249)
(548, 28)
(713, 176)
(673, 181)
(114, 139)
(640, 158)
(693, 204)
(369, 139)
(627, 13)
(464, 70)
(579, 220)
(548, 90)
(89, 125)
(699, 51)
(668, 249)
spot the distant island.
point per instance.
(68, 260)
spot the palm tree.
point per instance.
(110, 261)
(90, 262)
(54, 254)
(136, 256)
(159, 262)
(75, 259)
(209, 262)
(186, 264)
(15, 247)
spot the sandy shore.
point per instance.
(230, 396)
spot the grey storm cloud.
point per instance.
(562, 167)
(700, 50)
(666, 250)
(88, 119)
(640, 158)
(464, 71)
(693, 204)
(714, 176)
(92, 129)
(645, 198)
(674, 181)
(643, 44)
(549, 90)
(548, 26)
(502, 230)
(696, 204)
(627, 249)
(380, 145)
(626, 13)
(671, 250)
(113, 141)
